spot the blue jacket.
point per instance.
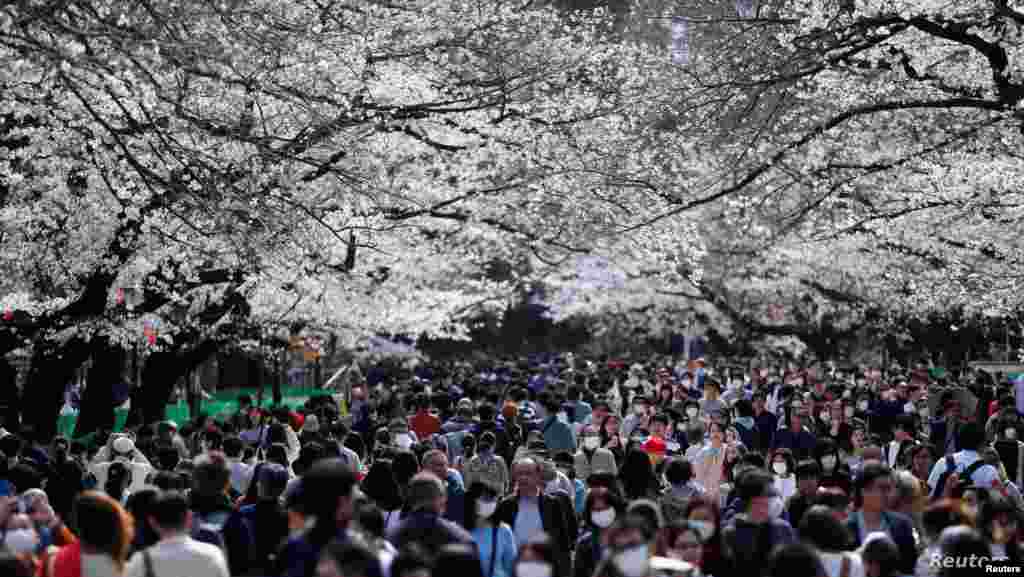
(558, 436)
(300, 556)
(505, 549)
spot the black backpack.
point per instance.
(964, 478)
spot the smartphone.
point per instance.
(5, 488)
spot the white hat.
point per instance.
(124, 445)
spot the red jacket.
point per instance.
(424, 424)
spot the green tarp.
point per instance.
(221, 404)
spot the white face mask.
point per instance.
(779, 468)
(863, 405)
(825, 417)
(591, 443)
(828, 463)
(692, 412)
(1011, 434)
(534, 569)
(603, 519)
(848, 411)
(402, 441)
(923, 413)
(634, 561)
(22, 540)
(484, 509)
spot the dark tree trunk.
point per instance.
(9, 401)
(98, 400)
(51, 369)
(161, 372)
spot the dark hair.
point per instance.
(753, 484)
(353, 558)
(278, 453)
(404, 465)
(744, 408)
(371, 520)
(380, 486)
(104, 525)
(822, 530)
(787, 456)
(871, 471)
(613, 499)
(457, 559)
(808, 468)
(942, 514)
(119, 476)
(170, 509)
(992, 504)
(678, 471)
(211, 475)
(323, 485)
(972, 436)
(637, 475)
(962, 542)
(794, 560)
(233, 446)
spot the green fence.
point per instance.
(221, 404)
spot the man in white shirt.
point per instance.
(176, 553)
(122, 448)
(972, 438)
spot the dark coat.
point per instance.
(556, 522)
(901, 529)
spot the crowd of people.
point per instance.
(554, 467)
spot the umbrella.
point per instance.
(968, 401)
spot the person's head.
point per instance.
(601, 509)
(692, 410)
(678, 471)
(610, 426)
(629, 545)
(716, 433)
(795, 560)
(103, 525)
(528, 477)
(950, 405)
(211, 475)
(381, 486)
(348, 558)
(272, 481)
(685, 541)
(744, 408)
(756, 489)
(233, 447)
(640, 405)
(480, 504)
(426, 492)
(919, 458)
(758, 401)
(457, 559)
(827, 454)
(872, 487)
(436, 462)
(962, 542)
(783, 463)
(903, 428)
(328, 489)
(857, 437)
(808, 473)
(880, 555)
(905, 493)
(820, 527)
(972, 436)
(659, 425)
(169, 513)
(649, 510)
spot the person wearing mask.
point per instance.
(592, 457)
(530, 513)
(872, 490)
(495, 541)
(833, 472)
(685, 541)
(599, 512)
(176, 553)
(537, 558)
(711, 404)
(682, 487)
(639, 419)
(707, 464)
(751, 535)
(746, 425)
(783, 469)
(629, 549)
(486, 466)
(121, 449)
(821, 529)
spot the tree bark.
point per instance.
(51, 369)
(98, 400)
